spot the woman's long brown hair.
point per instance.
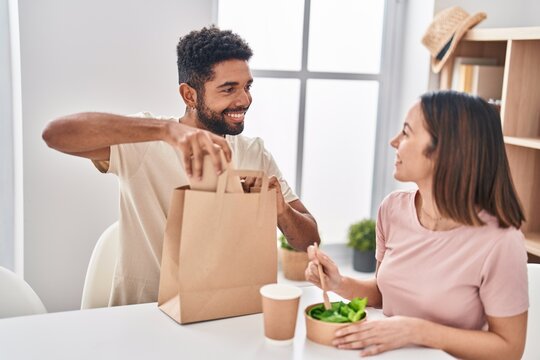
(471, 167)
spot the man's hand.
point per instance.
(273, 183)
(248, 183)
(194, 144)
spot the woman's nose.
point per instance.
(394, 142)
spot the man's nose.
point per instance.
(244, 98)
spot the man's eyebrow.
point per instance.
(233, 83)
(228, 83)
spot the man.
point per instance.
(154, 155)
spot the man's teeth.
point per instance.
(235, 115)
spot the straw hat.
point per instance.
(444, 33)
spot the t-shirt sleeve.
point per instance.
(271, 169)
(504, 286)
(125, 159)
(379, 231)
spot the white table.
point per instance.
(144, 332)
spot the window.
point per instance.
(316, 93)
(10, 141)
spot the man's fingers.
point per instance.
(258, 182)
(208, 143)
(186, 158)
(224, 145)
(196, 157)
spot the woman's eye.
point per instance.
(403, 133)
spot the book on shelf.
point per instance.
(478, 76)
(463, 60)
(481, 80)
(488, 81)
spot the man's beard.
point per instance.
(215, 122)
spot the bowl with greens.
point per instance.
(321, 324)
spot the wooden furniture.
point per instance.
(518, 50)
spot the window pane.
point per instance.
(339, 147)
(273, 116)
(345, 35)
(273, 29)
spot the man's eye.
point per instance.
(228, 90)
(248, 87)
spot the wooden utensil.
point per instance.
(327, 304)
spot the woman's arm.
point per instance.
(505, 338)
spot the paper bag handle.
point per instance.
(222, 185)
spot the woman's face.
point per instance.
(411, 143)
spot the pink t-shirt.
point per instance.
(452, 277)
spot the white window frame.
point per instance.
(387, 108)
(11, 186)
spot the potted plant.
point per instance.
(293, 262)
(362, 240)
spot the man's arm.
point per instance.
(91, 135)
(298, 226)
(294, 220)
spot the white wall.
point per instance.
(415, 72)
(500, 13)
(115, 56)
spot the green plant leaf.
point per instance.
(362, 235)
(358, 304)
(340, 312)
(284, 244)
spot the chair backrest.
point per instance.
(100, 272)
(17, 297)
(532, 346)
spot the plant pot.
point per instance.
(364, 261)
(322, 332)
(294, 264)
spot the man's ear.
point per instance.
(189, 95)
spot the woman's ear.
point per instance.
(188, 94)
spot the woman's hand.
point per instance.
(377, 336)
(331, 273)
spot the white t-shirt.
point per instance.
(148, 172)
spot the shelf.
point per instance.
(533, 143)
(525, 33)
(532, 243)
(518, 50)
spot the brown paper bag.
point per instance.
(219, 249)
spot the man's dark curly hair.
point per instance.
(200, 50)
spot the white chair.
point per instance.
(532, 346)
(99, 275)
(17, 297)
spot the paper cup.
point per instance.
(280, 310)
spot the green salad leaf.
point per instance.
(341, 312)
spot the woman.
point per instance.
(451, 262)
